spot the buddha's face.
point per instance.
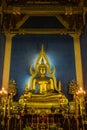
(42, 71)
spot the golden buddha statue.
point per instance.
(45, 84)
(42, 79)
(42, 76)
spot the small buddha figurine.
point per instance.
(45, 84)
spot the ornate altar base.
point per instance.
(43, 102)
(42, 121)
(42, 112)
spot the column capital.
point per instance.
(9, 35)
(76, 34)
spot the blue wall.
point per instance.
(59, 49)
(2, 49)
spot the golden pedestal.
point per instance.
(45, 102)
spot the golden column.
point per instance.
(7, 56)
(78, 62)
(78, 65)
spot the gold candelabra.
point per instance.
(81, 99)
(3, 91)
(7, 101)
(81, 92)
(3, 96)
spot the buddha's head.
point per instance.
(42, 68)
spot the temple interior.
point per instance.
(43, 65)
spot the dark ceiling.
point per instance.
(17, 14)
(59, 2)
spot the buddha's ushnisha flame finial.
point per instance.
(42, 48)
(42, 64)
